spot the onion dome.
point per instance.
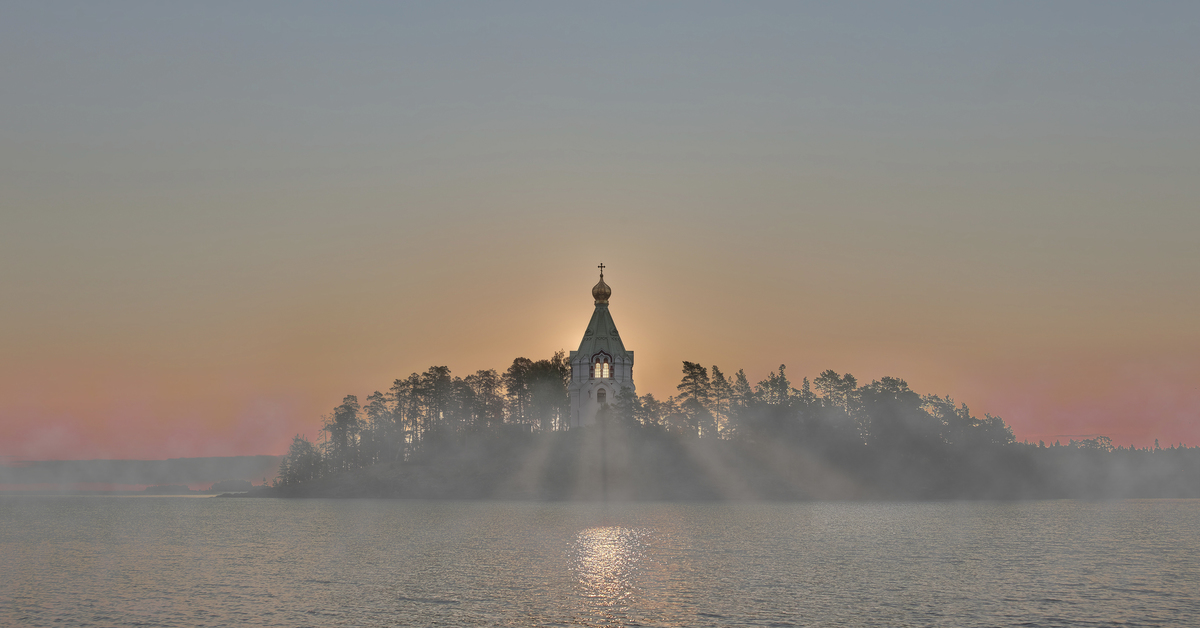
(601, 291)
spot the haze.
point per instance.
(219, 219)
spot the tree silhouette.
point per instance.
(775, 390)
(440, 435)
(547, 385)
(627, 408)
(695, 385)
(518, 389)
(836, 389)
(303, 463)
(486, 385)
(722, 397)
(343, 428)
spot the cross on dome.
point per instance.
(601, 291)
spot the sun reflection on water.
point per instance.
(606, 560)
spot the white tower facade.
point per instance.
(601, 367)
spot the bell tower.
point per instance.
(601, 367)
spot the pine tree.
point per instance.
(775, 390)
(695, 384)
(722, 395)
(343, 429)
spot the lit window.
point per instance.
(605, 375)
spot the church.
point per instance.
(601, 367)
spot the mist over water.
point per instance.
(174, 561)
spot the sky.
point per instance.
(217, 219)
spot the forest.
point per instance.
(495, 435)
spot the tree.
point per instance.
(700, 420)
(775, 390)
(626, 407)
(892, 416)
(434, 393)
(996, 433)
(302, 463)
(489, 401)
(741, 404)
(343, 429)
(722, 396)
(961, 430)
(378, 437)
(675, 420)
(695, 384)
(805, 394)
(460, 407)
(836, 390)
(655, 412)
(547, 384)
(954, 423)
(517, 389)
(406, 410)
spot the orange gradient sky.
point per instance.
(219, 220)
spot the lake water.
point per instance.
(179, 561)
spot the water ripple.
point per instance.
(209, 562)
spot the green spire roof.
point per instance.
(601, 334)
